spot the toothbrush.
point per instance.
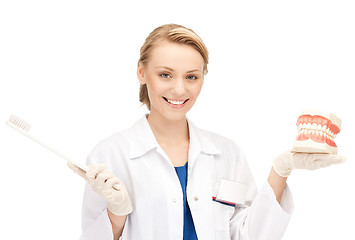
(24, 127)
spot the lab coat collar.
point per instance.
(143, 140)
(199, 140)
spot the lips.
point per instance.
(317, 131)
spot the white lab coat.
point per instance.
(136, 158)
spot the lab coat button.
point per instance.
(196, 198)
(174, 200)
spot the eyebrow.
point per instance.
(194, 70)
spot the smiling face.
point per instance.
(174, 78)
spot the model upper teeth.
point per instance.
(175, 102)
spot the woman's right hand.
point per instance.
(102, 181)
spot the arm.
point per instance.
(277, 184)
(118, 223)
(267, 216)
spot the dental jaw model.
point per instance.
(316, 132)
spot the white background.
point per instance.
(69, 68)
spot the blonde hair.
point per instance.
(175, 33)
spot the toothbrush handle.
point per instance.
(79, 165)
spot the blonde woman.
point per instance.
(176, 180)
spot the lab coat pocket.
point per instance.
(232, 192)
(222, 215)
(229, 195)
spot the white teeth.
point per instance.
(318, 129)
(175, 102)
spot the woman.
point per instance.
(178, 181)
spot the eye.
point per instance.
(192, 77)
(164, 75)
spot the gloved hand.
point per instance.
(102, 181)
(287, 161)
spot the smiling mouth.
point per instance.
(175, 102)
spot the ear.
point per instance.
(140, 73)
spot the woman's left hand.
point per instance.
(287, 161)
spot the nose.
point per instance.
(179, 87)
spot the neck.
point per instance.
(168, 131)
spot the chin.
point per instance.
(175, 116)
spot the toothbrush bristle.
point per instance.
(20, 123)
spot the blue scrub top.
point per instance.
(189, 227)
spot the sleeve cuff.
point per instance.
(286, 203)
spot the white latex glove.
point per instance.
(102, 181)
(287, 161)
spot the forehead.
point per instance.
(175, 55)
